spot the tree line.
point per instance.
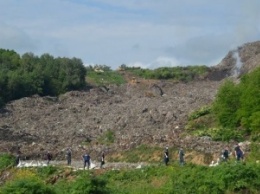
(26, 75)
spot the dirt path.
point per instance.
(78, 165)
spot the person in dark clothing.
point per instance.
(68, 156)
(181, 156)
(86, 160)
(17, 158)
(166, 156)
(225, 154)
(102, 162)
(49, 157)
(239, 153)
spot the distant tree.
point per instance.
(72, 73)
(28, 62)
(44, 75)
(9, 60)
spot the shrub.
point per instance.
(6, 160)
(220, 134)
(201, 112)
(225, 178)
(24, 172)
(108, 137)
(26, 186)
(254, 154)
(46, 171)
(85, 184)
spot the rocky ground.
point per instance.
(117, 118)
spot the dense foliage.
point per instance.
(230, 177)
(27, 186)
(6, 161)
(28, 74)
(237, 106)
(185, 74)
(226, 178)
(235, 113)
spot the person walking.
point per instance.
(225, 155)
(49, 157)
(166, 156)
(239, 153)
(86, 160)
(17, 158)
(68, 156)
(181, 156)
(102, 162)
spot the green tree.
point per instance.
(250, 100)
(227, 104)
(9, 60)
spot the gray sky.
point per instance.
(147, 33)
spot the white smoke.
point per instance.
(158, 62)
(238, 64)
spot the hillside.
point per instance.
(118, 118)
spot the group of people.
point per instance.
(86, 158)
(238, 151)
(239, 155)
(180, 156)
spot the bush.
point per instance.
(199, 113)
(6, 160)
(26, 186)
(86, 184)
(254, 154)
(46, 171)
(220, 134)
(225, 178)
(108, 137)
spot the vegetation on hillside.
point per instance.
(6, 161)
(228, 177)
(102, 75)
(26, 75)
(186, 74)
(235, 114)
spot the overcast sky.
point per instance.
(147, 33)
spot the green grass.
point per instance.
(142, 153)
(185, 74)
(6, 160)
(105, 78)
(227, 178)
